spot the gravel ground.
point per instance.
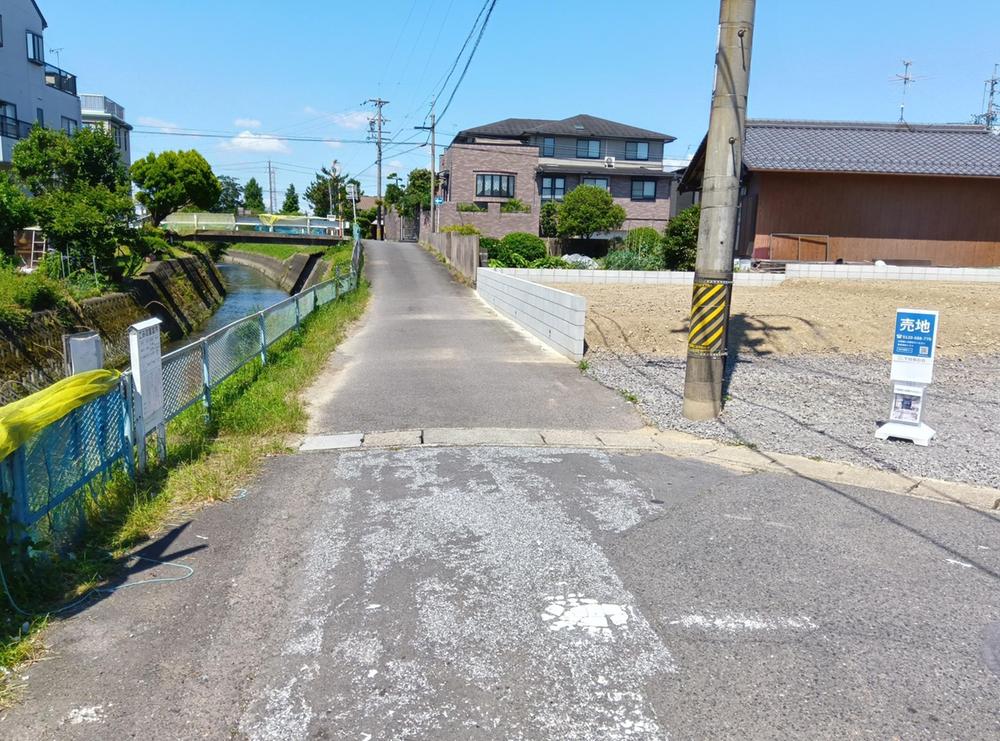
(828, 406)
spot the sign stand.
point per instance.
(147, 380)
(913, 348)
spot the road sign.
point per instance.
(352, 192)
(438, 200)
(913, 343)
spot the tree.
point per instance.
(588, 209)
(319, 191)
(253, 197)
(81, 198)
(230, 195)
(680, 243)
(417, 194)
(291, 202)
(548, 219)
(15, 212)
(169, 181)
(393, 192)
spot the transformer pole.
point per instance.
(378, 121)
(713, 277)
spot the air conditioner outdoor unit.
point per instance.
(609, 161)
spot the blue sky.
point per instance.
(251, 68)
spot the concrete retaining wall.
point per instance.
(291, 274)
(555, 317)
(460, 250)
(653, 277)
(824, 271)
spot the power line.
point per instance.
(468, 61)
(255, 137)
(458, 57)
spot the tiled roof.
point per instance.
(581, 125)
(896, 148)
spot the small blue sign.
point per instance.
(914, 334)
(439, 200)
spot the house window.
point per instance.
(548, 147)
(40, 116)
(637, 150)
(69, 125)
(553, 189)
(588, 148)
(495, 186)
(598, 182)
(8, 110)
(643, 190)
(36, 48)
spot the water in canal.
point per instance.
(247, 291)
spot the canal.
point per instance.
(247, 291)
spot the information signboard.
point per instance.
(147, 371)
(914, 340)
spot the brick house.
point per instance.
(535, 160)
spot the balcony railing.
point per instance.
(14, 129)
(101, 104)
(60, 79)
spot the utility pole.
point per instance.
(713, 272)
(433, 163)
(376, 123)
(271, 185)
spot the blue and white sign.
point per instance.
(914, 340)
(439, 200)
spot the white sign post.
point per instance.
(147, 380)
(913, 346)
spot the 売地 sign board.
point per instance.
(147, 371)
(914, 341)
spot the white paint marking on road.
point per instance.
(575, 612)
(740, 623)
(959, 563)
(87, 714)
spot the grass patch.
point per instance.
(629, 396)
(583, 365)
(338, 255)
(253, 412)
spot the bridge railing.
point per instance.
(53, 478)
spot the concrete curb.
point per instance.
(671, 443)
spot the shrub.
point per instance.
(464, 229)
(84, 284)
(549, 261)
(631, 260)
(680, 245)
(515, 206)
(21, 294)
(490, 244)
(647, 242)
(470, 208)
(588, 209)
(526, 245)
(548, 222)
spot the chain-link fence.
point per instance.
(52, 476)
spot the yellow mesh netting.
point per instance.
(26, 417)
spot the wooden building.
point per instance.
(823, 191)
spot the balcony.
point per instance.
(101, 105)
(14, 129)
(60, 79)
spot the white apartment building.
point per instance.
(31, 90)
(100, 112)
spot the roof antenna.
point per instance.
(990, 117)
(907, 79)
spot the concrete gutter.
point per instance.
(676, 445)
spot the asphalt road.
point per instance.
(429, 353)
(532, 593)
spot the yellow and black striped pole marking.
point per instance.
(707, 335)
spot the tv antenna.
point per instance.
(57, 52)
(990, 117)
(907, 79)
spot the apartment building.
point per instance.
(100, 112)
(534, 161)
(31, 90)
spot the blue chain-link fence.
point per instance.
(53, 476)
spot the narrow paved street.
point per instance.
(467, 592)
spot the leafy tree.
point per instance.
(15, 212)
(81, 198)
(548, 219)
(588, 209)
(169, 181)
(230, 195)
(291, 202)
(253, 197)
(366, 220)
(394, 192)
(319, 191)
(680, 245)
(417, 194)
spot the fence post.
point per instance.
(295, 298)
(206, 380)
(127, 423)
(336, 282)
(19, 484)
(263, 339)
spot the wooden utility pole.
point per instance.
(378, 121)
(433, 163)
(713, 272)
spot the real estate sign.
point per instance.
(913, 343)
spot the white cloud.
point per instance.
(249, 141)
(346, 120)
(396, 163)
(247, 123)
(157, 123)
(334, 145)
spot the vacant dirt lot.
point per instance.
(796, 317)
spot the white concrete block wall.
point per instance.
(555, 317)
(625, 277)
(892, 272)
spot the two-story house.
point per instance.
(534, 161)
(31, 90)
(100, 112)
